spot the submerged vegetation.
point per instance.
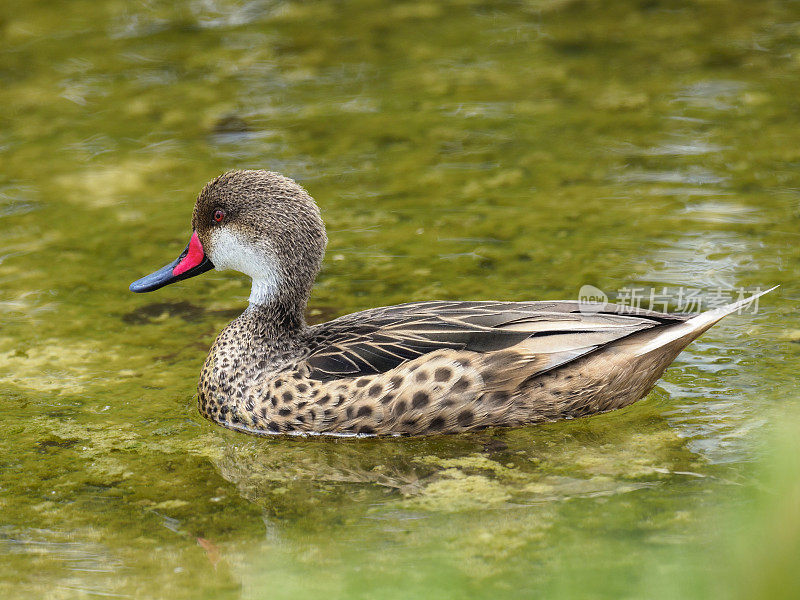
(512, 150)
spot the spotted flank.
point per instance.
(413, 369)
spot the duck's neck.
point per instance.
(278, 312)
(263, 291)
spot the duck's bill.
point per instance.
(191, 262)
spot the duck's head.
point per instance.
(258, 223)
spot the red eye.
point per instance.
(219, 215)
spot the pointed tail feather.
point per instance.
(695, 326)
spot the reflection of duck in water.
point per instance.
(416, 368)
(500, 467)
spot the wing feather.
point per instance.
(378, 340)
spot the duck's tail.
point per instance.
(691, 329)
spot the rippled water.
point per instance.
(458, 150)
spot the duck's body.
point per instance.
(419, 368)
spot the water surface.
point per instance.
(513, 150)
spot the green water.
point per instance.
(512, 150)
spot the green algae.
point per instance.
(468, 150)
(456, 491)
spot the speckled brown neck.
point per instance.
(280, 319)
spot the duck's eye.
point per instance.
(219, 215)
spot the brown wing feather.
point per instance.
(377, 340)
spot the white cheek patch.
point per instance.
(230, 251)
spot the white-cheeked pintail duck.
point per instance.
(412, 369)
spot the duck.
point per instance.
(420, 368)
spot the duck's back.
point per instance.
(379, 339)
